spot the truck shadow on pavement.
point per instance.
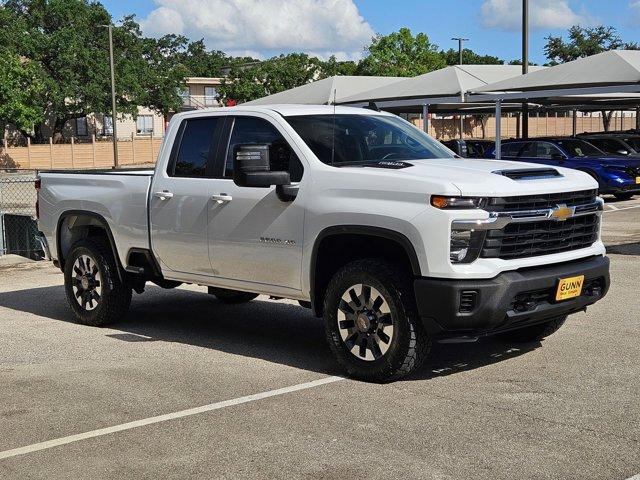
(272, 331)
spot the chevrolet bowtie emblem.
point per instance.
(562, 212)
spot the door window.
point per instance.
(511, 149)
(248, 130)
(546, 150)
(210, 95)
(196, 145)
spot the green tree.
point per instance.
(200, 62)
(583, 42)
(469, 57)
(333, 67)
(20, 89)
(66, 42)
(248, 82)
(401, 54)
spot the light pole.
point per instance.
(114, 128)
(525, 63)
(461, 41)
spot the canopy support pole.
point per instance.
(575, 122)
(425, 118)
(498, 129)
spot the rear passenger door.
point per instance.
(180, 198)
(253, 235)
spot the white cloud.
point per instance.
(554, 14)
(265, 26)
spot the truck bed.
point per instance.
(119, 197)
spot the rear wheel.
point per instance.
(535, 333)
(623, 196)
(231, 296)
(371, 321)
(94, 290)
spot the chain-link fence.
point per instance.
(18, 226)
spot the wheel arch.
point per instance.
(81, 224)
(376, 241)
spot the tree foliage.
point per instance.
(469, 57)
(66, 45)
(401, 54)
(583, 42)
(20, 89)
(247, 82)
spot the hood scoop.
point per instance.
(529, 173)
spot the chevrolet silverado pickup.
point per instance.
(387, 235)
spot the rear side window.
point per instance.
(196, 144)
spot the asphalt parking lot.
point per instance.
(123, 402)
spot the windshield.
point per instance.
(580, 148)
(363, 139)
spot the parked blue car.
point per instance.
(617, 175)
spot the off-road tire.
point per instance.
(534, 333)
(115, 296)
(409, 345)
(623, 196)
(231, 296)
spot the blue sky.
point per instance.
(343, 27)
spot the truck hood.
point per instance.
(479, 177)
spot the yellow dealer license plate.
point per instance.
(569, 288)
(637, 179)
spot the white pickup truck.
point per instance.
(390, 237)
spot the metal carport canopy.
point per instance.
(441, 90)
(322, 92)
(609, 73)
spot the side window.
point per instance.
(247, 130)
(195, 144)
(529, 150)
(546, 150)
(511, 149)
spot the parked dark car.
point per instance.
(617, 175)
(631, 138)
(611, 144)
(469, 148)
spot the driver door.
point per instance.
(253, 235)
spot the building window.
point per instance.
(107, 126)
(210, 95)
(81, 127)
(144, 125)
(185, 95)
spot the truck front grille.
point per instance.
(543, 237)
(549, 200)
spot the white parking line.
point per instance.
(635, 477)
(163, 418)
(619, 209)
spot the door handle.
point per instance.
(221, 198)
(163, 195)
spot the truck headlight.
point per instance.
(465, 245)
(457, 203)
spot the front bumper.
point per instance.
(511, 300)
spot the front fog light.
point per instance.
(465, 245)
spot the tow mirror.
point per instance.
(252, 167)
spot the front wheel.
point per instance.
(623, 196)
(371, 321)
(94, 290)
(534, 333)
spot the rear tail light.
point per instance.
(37, 184)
